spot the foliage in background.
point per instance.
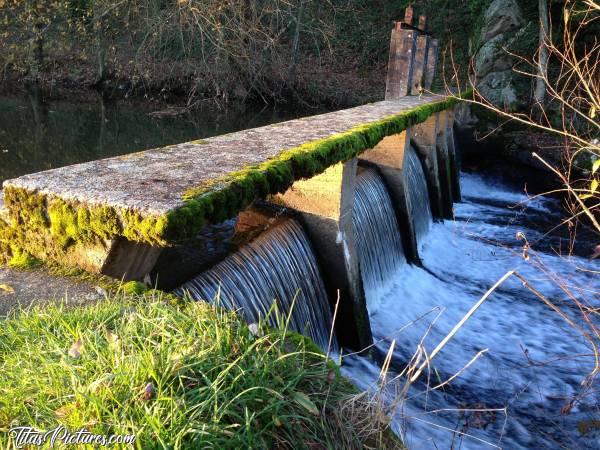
(571, 104)
(333, 50)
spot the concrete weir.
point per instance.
(325, 203)
(389, 156)
(164, 196)
(114, 216)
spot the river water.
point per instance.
(38, 134)
(533, 362)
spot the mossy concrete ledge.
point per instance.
(85, 214)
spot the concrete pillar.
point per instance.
(432, 56)
(424, 139)
(129, 260)
(454, 157)
(400, 64)
(325, 205)
(444, 165)
(420, 62)
(389, 157)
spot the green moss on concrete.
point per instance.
(20, 259)
(134, 288)
(69, 223)
(46, 227)
(225, 197)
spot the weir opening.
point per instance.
(418, 196)
(377, 233)
(279, 267)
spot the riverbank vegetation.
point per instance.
(564, 109)
(565, 105)
(330, 52)
(176, 375)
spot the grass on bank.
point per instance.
(184, 375)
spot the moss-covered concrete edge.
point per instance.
(223, 198)
(49, 227)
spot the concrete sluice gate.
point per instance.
(339, 235)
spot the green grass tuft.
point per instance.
(134, 288)
(214, 384)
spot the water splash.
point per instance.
(279, 265)
(377, 235)
(418, 196)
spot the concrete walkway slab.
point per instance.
(154, 182)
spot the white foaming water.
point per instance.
(476, 187)
(377, 237)
(530, 369)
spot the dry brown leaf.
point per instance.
(76, 349)
(7, 289)
(148, 392)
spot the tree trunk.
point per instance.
(38, 58)
(295, 45)
(99, 44)
(542, 66)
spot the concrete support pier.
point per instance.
(454, 157)
(129, 260)
(444, 165)
(389, 157)
(325, 206)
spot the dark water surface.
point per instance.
(525, 390)
(38, 135)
